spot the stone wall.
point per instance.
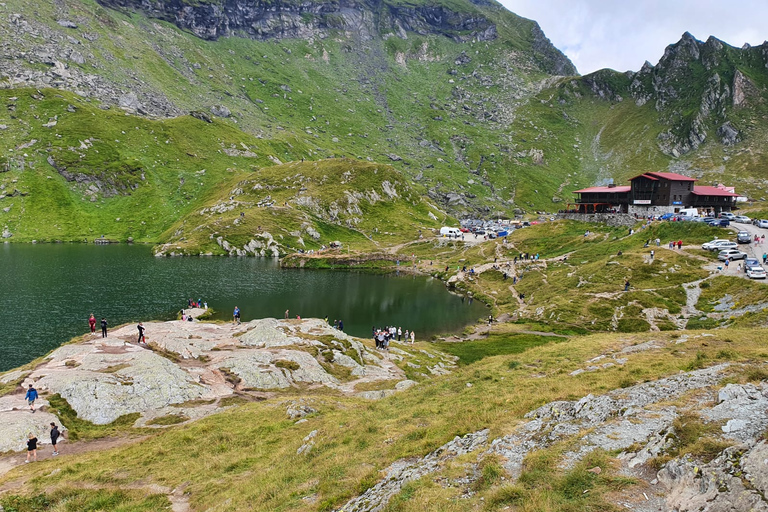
(611, 219)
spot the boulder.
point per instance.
(146, 382)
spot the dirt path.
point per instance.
(66, 449)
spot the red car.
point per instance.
(464, 230)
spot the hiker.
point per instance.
(652, 253)
(287, 314)
(490, 319)
(679, 245)
(341, 325)
(399, 334)
(103, 327)
(30, 397)
(413, 337)
(92, 323)
(141, 338)
(31, 447)
(626, 285)
(236, 315)
(54, 438)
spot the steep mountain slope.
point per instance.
(701, 111)
(431, 89)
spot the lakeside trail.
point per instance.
(12, 460)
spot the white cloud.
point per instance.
(622, 34)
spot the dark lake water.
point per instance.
(47, 293)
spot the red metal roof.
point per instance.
(646, 175)
(712, 191)
(671, 176)
(622, 189)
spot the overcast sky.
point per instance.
(622, 34)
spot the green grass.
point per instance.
(82, 430)
(86, 500)
(469, 352)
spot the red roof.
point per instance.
(671, 176)
(593, 190)
(712, 191)
(646, 175)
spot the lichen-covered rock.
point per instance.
(147, 381)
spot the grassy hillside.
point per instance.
(308, 205)
(251, 449)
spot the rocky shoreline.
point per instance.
(189, 370)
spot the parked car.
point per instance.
(742, 219)
(762, 223)
(756, 273)
(750, 263)
(719, 245)
(743, 237)
(724, 223)
(726, 215)
(712, 222)
(464, 230)
(731, 254)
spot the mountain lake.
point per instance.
(48, 291)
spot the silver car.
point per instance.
(731, 254)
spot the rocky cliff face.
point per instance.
(696, 87)
(258, 19)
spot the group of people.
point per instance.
(140, 328)
(30, 398)
(382, 337)
(32, 444)
(92, 325)
(191, 303)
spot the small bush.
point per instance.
(288, 365)
(170, 419)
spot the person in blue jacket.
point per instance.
(30, 397)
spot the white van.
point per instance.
(446, 231)
(689, 212)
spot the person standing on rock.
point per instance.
(31, 447)
(141, 338)
(103, 327)
(413, 337)
(92, 323)
(341, 325)
(399, 334)
(236, 315)
(30, 397)
(54, 438)
(287, 313)
(626, 285)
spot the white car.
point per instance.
(742, 219)
(731, 254)
(720, 245)
(756, 273)
(708, 246)
(726, 215)
(762, 223)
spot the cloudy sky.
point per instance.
(622, 34)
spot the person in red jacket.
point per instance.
(92, 323)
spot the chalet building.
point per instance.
(655, 193)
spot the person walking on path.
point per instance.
(54, 438)
(626, 285)
(103, 327)
(399, 334)
(413, 337)
(236, 315)
(30, 397)
(490, 319)
(652, 253)
(92, 323)
(141, 338)
(31, 447)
